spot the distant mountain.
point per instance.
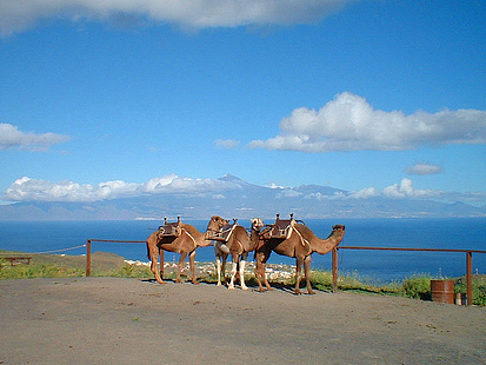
(314, 189)
(240, 199)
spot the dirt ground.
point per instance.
(125, 321)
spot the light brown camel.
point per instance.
(238, 245)
(186, 244)
(300, 243)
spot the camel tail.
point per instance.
(149, 256)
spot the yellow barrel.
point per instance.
(442, 291)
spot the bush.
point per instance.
(478, 288)
(417, 287)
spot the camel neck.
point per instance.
(327, 245)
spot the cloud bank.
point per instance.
(27, 189)
(11, 137)
(349, 123)
(18, 15)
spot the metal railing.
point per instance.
(468, 253)
(88, 250)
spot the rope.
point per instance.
(61, 250)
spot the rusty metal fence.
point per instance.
(88, 250)
(335, 264)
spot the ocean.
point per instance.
(372, 266)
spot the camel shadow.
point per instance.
(289, 288)
(251, 283)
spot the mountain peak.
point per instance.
(232, 178)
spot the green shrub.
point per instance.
(478, 288)
(417, 287)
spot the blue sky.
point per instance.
(365, 96)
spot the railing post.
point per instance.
(88, 258)
(469, 277)
(334, 269)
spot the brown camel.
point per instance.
(300, 242)
(238, 245)
(185, 244)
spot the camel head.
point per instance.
(338, 230)
(216, 223)
(339, 227)
(256, 224)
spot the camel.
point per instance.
(300, 242)
(185, 244)
(238, 245)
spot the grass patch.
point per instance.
(36, 270)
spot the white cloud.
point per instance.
(226, 143)
(157, 184)
(320, 196)
(287, 193)
(11, 136)
(349, 123)
(27, 189)
(275, 186)
(406, 190)
(364, 193)
(423, 169)
(18, 15)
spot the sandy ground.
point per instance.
(125, 321)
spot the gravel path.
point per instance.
(126, 321)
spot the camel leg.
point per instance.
(155, 257)
(192, 259)
(260, 271)
(258, 275)
(233, 272)
(307, 272)
(223, 269)
(242, 275)
(162, 262)
(218, 269)
(298, 270)
(181, 263)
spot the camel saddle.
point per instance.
(281, 229)
(171, 229)
(224, 234)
